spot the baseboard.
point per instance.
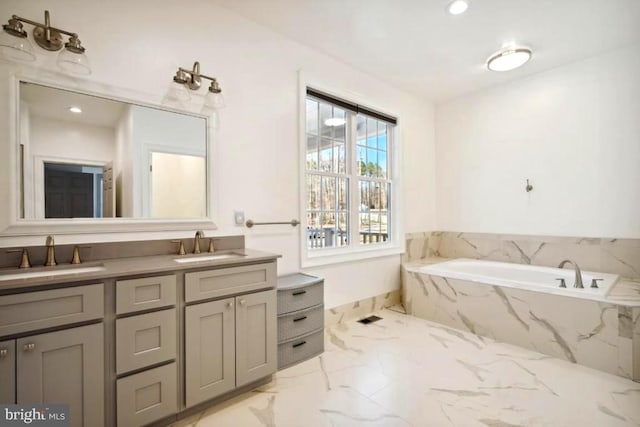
(361, 308)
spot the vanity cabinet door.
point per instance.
(8, 372)
(256, 336)
(64, 367)
(209, 350)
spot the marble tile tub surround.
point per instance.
(112, 250)
(405, 371)
(617, 256)
(597, 334)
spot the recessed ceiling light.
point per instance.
(335, 121)
(509, 59)
(457, 7)
(76, 110)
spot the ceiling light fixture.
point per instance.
(76, 110)
(335, 121)
(192, 79)
(509, 59)
(72, 58)
(457, 7)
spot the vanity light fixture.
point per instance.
(72, 58)
(192, 79)
(76, 110)
(458, 7)
(509, 59)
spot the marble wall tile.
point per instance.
(618, 256)
(625, 322)
(416, 246)
(636, 343)
(625, 357)
(360, 308)
(577, 330)
(622, 256)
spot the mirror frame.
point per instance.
(10, 222)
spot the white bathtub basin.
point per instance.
(51, 272)
(204, 258)
(531, 277)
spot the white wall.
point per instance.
(257, 143)
(176, 133)
(123, 166)
(573, 131)
(178, 183)
(71, 140)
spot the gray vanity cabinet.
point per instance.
(209, 350)
(7, 371)
(256, 340)
(64, 366)
(229, 343)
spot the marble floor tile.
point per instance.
(406, 371)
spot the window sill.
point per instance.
(336, 256)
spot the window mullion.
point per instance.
(354, 196)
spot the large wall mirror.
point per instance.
(85, 156)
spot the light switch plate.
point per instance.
(238, 217)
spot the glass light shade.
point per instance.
(509, 59)
(176, 96)
(213, 102)
(75, 63)
(16, 48)
(458, 7)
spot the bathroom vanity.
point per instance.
(134, 341)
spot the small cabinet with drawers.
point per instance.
(146, 337)
(300, 318)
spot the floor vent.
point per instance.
(369, 319)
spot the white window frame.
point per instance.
(357, 251)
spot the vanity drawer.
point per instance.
(300, 349)
(148, 396)
(300, 322)
(225, 281)
(145, 340)
(142, 294)
(45, 309)
(300, 298)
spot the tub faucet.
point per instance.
(578, 282)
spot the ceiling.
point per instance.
(416, 45)
(54, 103)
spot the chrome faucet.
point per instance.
(578, 282)
(51, 252)
(196, 242)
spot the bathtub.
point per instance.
(523, 305)
(522, 276)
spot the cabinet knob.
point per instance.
(3, 353)
(242, 301)
(230, 304)
(29, 347)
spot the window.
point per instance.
(348, 176)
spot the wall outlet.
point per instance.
(238, 217)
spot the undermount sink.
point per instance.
(50, 272)
(203, 258)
